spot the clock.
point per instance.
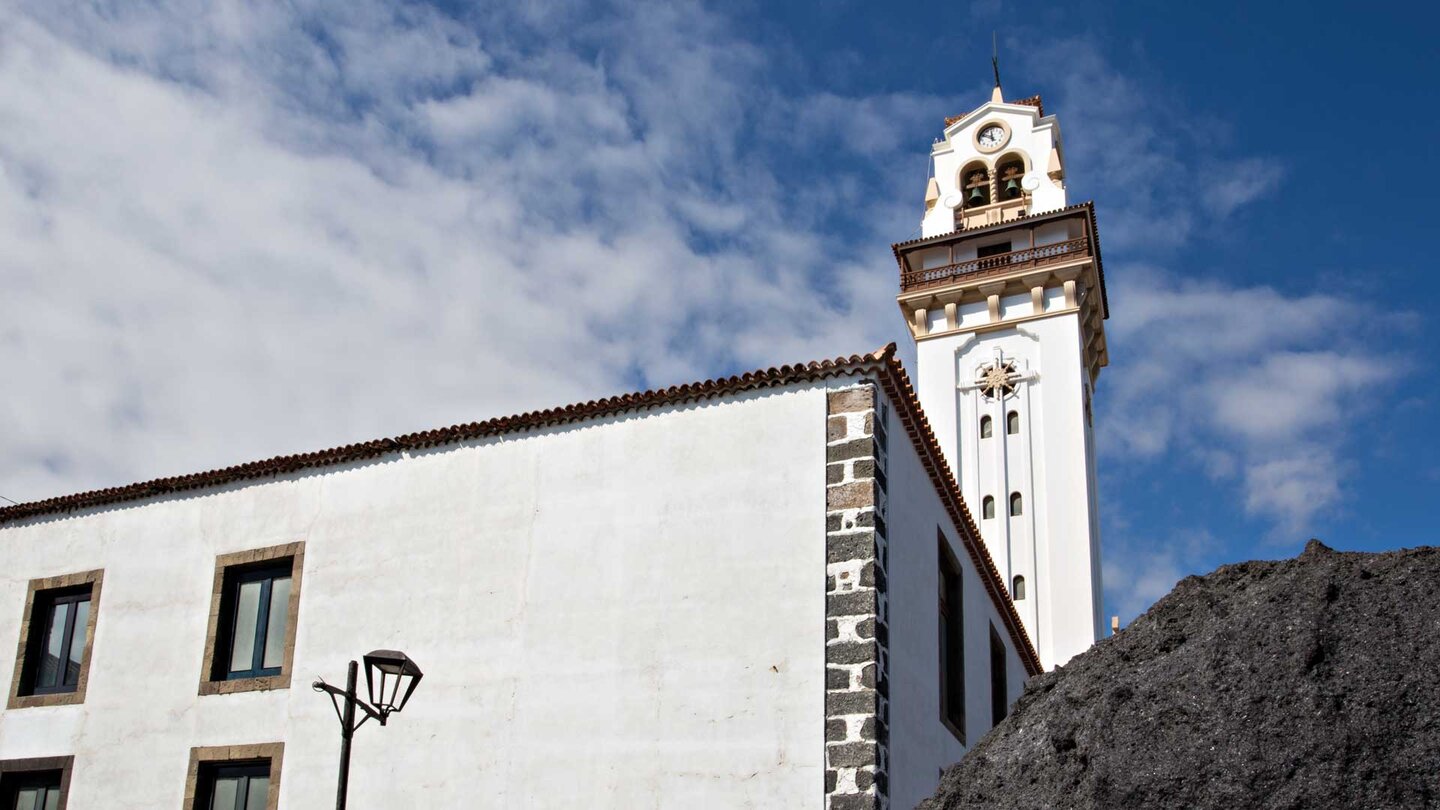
(992, 136)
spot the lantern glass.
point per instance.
(391, 677)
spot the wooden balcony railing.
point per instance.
(998, 265)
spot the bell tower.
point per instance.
(1004, 294)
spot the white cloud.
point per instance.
(1259, 389)
(233, 230)
(236, 230)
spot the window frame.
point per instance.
(950, 637)
(40, 598)
(16, 770)
(266, 576)
(1012, 423)
(987, 427)
(1017, 504)
(205, 761)
(987, 507)
(231, 570)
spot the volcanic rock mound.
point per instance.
(1306, 683)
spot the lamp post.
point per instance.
(386, 673)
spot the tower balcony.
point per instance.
(999, 276)
(982, 252)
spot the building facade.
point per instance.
(1004, 294)
(761, 591)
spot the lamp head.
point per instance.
(390, 678)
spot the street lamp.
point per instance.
(387, 673)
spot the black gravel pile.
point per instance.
(1306, 683)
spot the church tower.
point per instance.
(1004, 294)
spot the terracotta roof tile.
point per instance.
(883, 365)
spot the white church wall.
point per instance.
(920, 743)
(627, 613)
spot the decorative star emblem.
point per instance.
(998, 379)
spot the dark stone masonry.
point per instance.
(1305, 683)
(856, 703)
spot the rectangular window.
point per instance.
(235, 787)
(234, 777)
(952, 641)
(258, 611)
(986, 251)
(34, 784)
(999, 690)
(252, 620)
(56, 635)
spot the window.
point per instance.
(986, 427)
(985, 251)
(234, 777)
(1012, 423)
(952, 641)
(1017, 588)
(256, 614)
(999, 704)
(35, 784)
(1017, 504)
(252, 621)
(56, 635)
(987, 508)
(236, 787)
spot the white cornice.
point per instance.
(988, 107)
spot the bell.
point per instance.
(977, 196)
(1012, 189)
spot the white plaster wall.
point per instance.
(624, 614)
(920, 744)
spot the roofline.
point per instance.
(884, 365)
(964, 118)
(1029, 219)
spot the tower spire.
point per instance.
(995, 95)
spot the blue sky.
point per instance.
(236, 230)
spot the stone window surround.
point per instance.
(63, 764)
(296, 551)
(221, 754)
(37, 587)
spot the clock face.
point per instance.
(991, 137)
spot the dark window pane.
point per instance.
(53, 651)
(226, 793)
(275, 626)
(999, 701)
(28, 798)
(77, 641)
(247, 614)
(257, 792)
